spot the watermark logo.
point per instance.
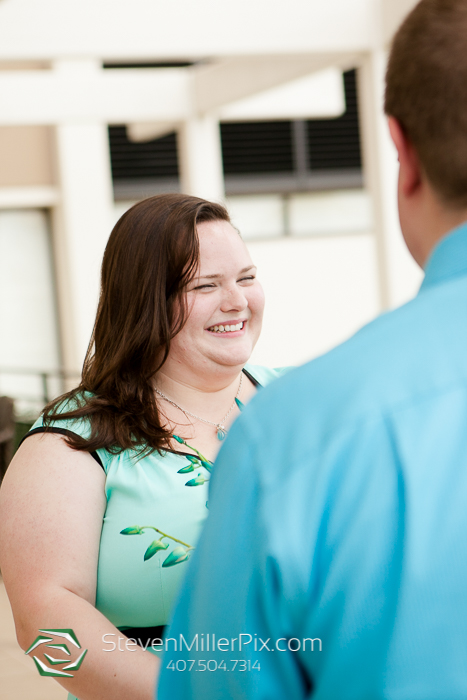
(55, 641)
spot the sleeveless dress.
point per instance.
(156, 507)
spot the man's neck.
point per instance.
(436, 222)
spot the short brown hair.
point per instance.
(426, 90)
(151, 255)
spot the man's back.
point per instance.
(335, 556)
(339, 515)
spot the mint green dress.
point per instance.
(151, 503)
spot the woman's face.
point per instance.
(225, 304)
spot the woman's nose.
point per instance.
(234, 299)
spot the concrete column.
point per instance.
(399, 275)
(82, 224)
(200, 158)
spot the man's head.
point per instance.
(426, 100)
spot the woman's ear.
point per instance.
(410, 171)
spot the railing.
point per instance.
(44, 393)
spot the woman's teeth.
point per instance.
(226, 328)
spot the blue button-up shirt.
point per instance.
(337, 532)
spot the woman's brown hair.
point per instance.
(150, 257)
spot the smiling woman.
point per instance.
(225, 308)
(108, 494)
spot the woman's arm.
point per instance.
(52, 502)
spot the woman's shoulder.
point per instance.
(69, 426)
(80, 426)
(265, 375)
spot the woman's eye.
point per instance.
(205, 286)
(248, 279)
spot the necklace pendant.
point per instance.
(221, 432)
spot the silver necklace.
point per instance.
(221, 429)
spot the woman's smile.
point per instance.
(231, 329)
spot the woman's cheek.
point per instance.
(257, 300)
(202, 312)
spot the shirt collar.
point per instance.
(448, 258)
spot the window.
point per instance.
(259, 157)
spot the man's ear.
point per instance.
(410, 173)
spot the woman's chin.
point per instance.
(232, 358)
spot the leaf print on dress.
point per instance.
(198, 481)
(186, 470)
(177, 555)
(155, 547)
(196, 461)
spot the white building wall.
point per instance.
(28, 322)
(318, 293)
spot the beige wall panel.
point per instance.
(25, 156)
